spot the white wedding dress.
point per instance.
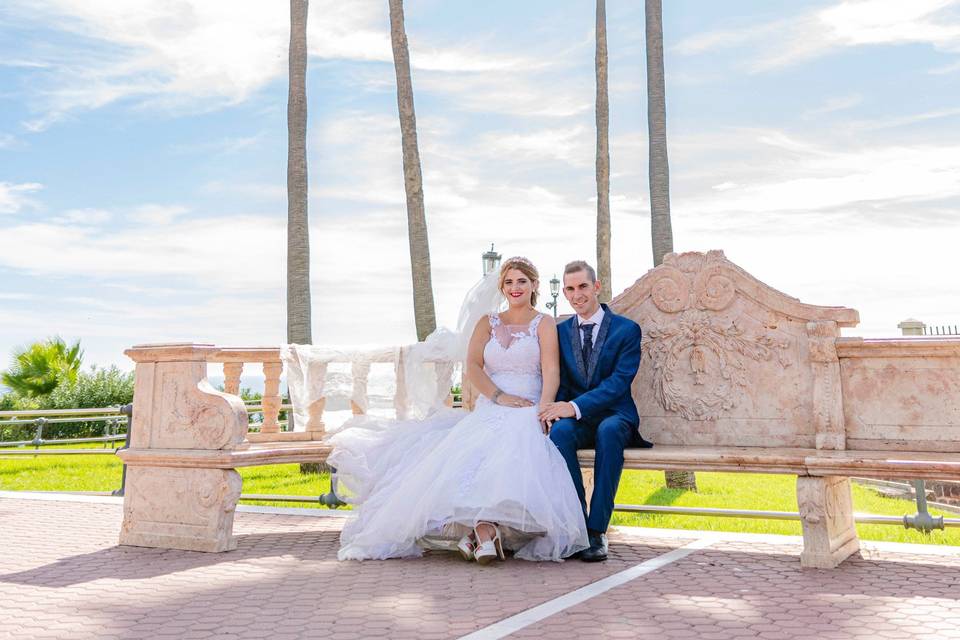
(417, 484)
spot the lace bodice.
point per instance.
(511, 357)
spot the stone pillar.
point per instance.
(827, 390)
(231, 377)
(175, 496)
(826, 514)
(359, 400)
(444, 374)
(400, 400)
(912, 327)
(271, 398)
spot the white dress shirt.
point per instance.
(596, 319)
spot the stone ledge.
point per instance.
(803, 462)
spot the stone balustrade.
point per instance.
(270, 362)
(234, 360)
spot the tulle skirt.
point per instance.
(422, 484)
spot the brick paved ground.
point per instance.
(62, 576)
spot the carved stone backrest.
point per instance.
(174, 407)
(730, 361)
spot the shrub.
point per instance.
(96, 388)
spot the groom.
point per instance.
(599, 357)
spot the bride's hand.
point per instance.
(508, 400)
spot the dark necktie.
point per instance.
(587, 328)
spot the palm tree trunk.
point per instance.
(298, 231)
(603, 157)
(298, 228)
(660, 228)
(423, 309)
(661, 232)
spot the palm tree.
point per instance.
(298, 231)
(661, 232)
(41, 367)
(603, 157)
(423, 309)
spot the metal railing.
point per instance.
(114, 419)
(38, 419)
(941, 330)
(914, 327)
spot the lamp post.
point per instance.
(491, 260)
(554, 291)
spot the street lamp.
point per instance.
(491, 260)
(554, 291)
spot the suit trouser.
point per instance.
(609, 437)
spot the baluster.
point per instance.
(400, 398)
(359, 400)
(271, 397)
(231, 377)
(444, 373)
(318, 377)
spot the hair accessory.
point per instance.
(519, 259)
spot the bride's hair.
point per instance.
(526, 267)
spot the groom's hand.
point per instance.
(553, 411)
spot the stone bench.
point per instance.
(735, 376)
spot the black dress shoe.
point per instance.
(598, 549)
(640, 443)
(575, 555)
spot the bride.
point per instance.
(490, 478)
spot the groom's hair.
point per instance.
(580, 265)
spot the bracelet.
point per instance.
(496, 394)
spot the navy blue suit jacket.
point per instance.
(601, 387)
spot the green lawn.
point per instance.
(717, 490)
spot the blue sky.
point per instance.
(143, 153)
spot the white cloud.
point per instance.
(14, 197)
(766, 179)
(839, 103)
(891, 22)
(514, 93)
(202, 54)
(848, 23)
(574, 145)
(259, 190)
(725, 186)
(157, 214)
(214, 250)
(227, 145)
(900, 121)
(152, 215)
(88, 216)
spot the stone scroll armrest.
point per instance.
(174, 406)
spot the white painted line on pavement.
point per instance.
(295, 511)
(56, 496)
(526, 618)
